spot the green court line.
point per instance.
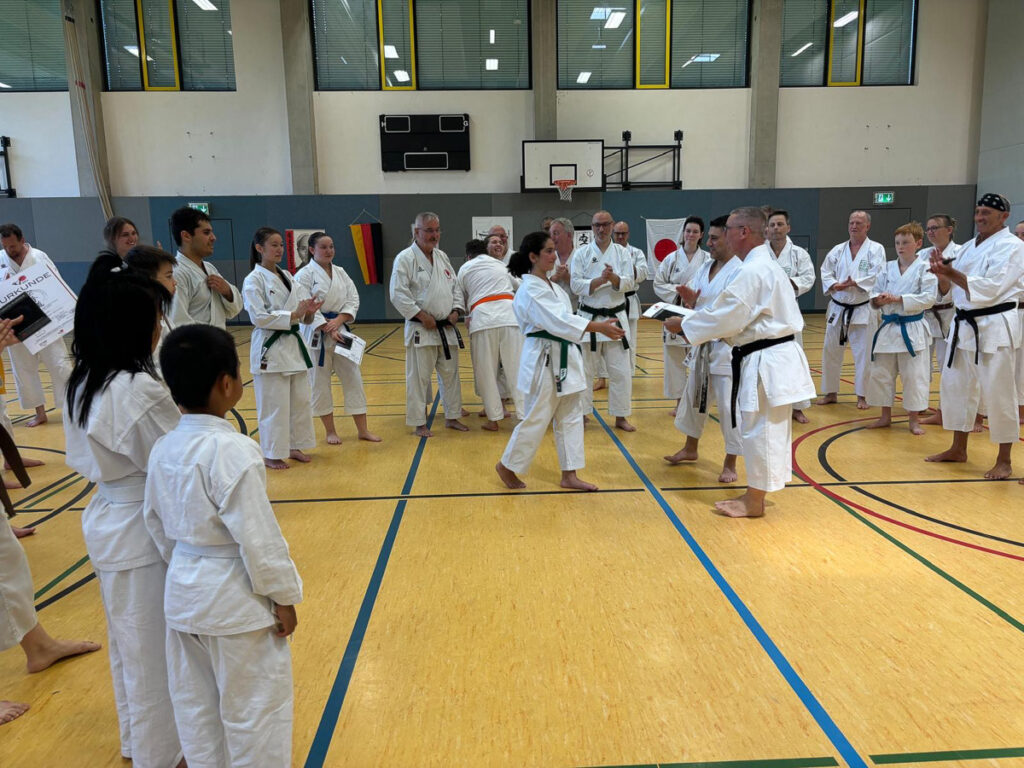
(957, 754)
(793, 762)
(60, 578)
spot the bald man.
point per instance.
(620, 234)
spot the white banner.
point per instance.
(663, 238)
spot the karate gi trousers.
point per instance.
(17, 610)
(232, 698)
(351, 379)
(915, 373)
(859, 342)
(619, 375)
(992, 379)
(691, 422)
(283, 410)
(543, 407)
(767, 438)
(488, 348)
(420, 363)
(676, 371)
(26, 373)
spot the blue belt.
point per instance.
(904, 321)
(323, 344)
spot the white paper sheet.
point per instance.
(52, 295)
(351, 347)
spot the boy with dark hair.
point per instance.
(231, 585)
(203, 296)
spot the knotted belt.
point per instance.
(323, 344)
(701, 370)
(844, 320)
(629, 295)
(938, 318)
(442, 324)
(738, 353)
(293, 331)
(563, 355)
(904, 321)
(12, 457)
(967, 316)
(600, 312)
(495, 297)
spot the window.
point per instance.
(848, 42)
(155, 45)
(653, 44)
(32, 46)
(345, 45)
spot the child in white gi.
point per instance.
(904, 291)
(231, 584)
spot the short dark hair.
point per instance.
(112, 230)
(519, 263)
(949, 220)
(186, 219)
(6, 230)
(192, 359)
(475, 247)
(779, 212)
(146, 259)
(695, 220)
(719, 222)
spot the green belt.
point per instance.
(563, 357)
(293, 331)
(903, 321)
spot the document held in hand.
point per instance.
(662, 311)
(43, 300)
(352, 347)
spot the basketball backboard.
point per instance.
(544, 162)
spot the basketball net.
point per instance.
(564, 188)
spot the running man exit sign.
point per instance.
(885, 198)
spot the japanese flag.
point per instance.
(663, 238)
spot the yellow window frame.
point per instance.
(142, 50)
(668, 49)
(412, 50)
(860, 45)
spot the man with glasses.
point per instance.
(601, 274)
(425, 291)
(848, 274)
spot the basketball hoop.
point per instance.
(564, 188)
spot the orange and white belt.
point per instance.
(495, 297)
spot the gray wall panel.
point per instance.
(68, 229)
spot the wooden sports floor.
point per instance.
(873, 617)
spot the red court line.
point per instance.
(836, 497)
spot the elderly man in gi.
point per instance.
(620, 233)
(758, 315)
(984, 335)
(424, 289)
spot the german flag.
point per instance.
(369, 242)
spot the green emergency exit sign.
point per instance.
(885, 198)
(205, 207)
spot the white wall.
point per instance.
(922, 134)
(42, 148)
(222, 143)
(348, 140)
(714, 124)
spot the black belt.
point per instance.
(629, 295)
(968, 315)
(844, 320)
(600, 312)
(441, 324)
(738, 353)
(12, 457)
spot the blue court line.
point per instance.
(825, 722)
(332, 709)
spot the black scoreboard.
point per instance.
(424, 142)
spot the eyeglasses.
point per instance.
(602, 224)
(429, 230)
(935, 229)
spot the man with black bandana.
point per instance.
(984, 335)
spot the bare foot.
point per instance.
(11, 710)
(333, 438)
(979, 423)
(623, 424)
(480, 414)
(36, 420)
(862, 403)
(55, 650)
(728, 475)
(455, 424)
(739, 507)
(508, 477)
(369, 437)
(828, 399)
(464, 413)
(422, 431)
(1000, 471)
(915, 427)
(298, 455)
(21, 533)
(27, 463)
(275, 463)
(570, 480)
(935, 418)
(948, 455)
(672, 413)
(799, 417)
(681, 456)
(586, 419)
(882, 422)
(490, 426)
(600, 384)
(11, 484)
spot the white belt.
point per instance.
(123, 491)
(226, 551)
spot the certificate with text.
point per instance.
(43, 300)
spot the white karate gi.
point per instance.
(340, 297)
(689, 420)
(17, 611)
(757, 304)
(919, 288)
(54, 356)
(194, 302)
(796, 262)
(417, 284)
(675, 270)
(541, 305)
(994, 272)
(124, 422)
(587, 263)
(939, 319)
(864, 269)
(206, 508)
(495, 339)
(640, 274)
(279, 377)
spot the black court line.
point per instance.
(64, 507)
(66, 591)
(843, 483)
(413, 496)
